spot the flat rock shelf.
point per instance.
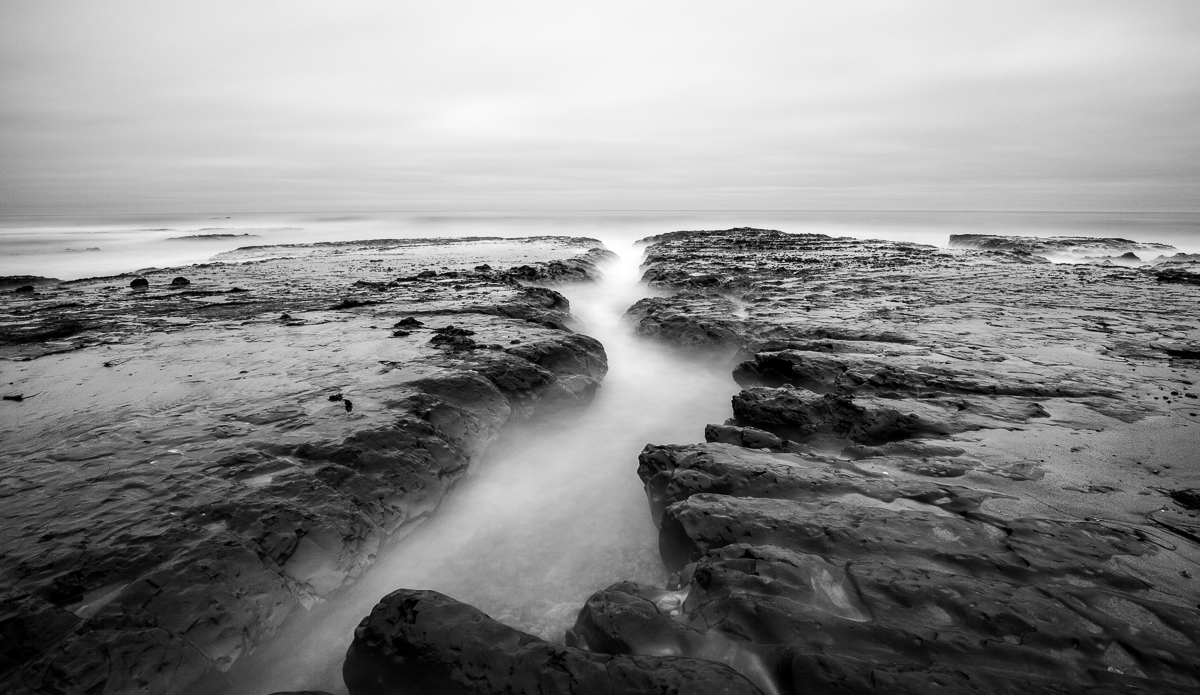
(189, 455)
(948, 471)
(963, 470)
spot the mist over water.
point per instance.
(74, 247)
(555, 513)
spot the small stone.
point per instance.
(180, 282)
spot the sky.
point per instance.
(149, 107)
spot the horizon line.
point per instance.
(595, 210)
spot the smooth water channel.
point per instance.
(554, 514)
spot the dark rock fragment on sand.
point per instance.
(408, 322)
(180, 282)
(139, 283)
(418, 642)
(1188, 499)
(351, 302)
(24, 289)
(453, 338)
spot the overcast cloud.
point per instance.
(290, 106)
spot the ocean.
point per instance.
(69, 248)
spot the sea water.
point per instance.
(69, 248)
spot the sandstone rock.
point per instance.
(423, 642)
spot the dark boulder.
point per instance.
(139, 283)
(180, 282)
(419, 642)
(800, 414)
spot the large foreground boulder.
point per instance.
(421, 642)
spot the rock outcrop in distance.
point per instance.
(948, 471)
(184, 464)
(1097, 249)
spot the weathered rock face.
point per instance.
(422, 642)
(807, 575)
(938, 477)
(581, 268)
(714, 332)
(189, 465)
(803, 415)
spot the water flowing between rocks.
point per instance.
(555, 513)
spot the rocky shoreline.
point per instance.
(193, 454)
(911, 495)
(948, 471)
(962, 470)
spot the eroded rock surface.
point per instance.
(949, 471)
(422, 642)
(188, 463)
